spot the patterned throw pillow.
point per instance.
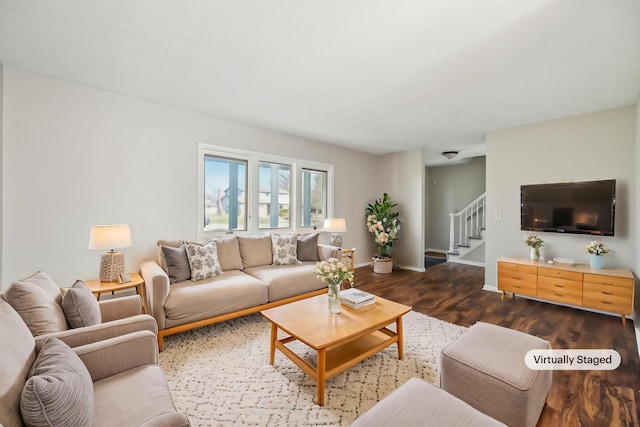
(80, 306)
(284, 249)
(203, 260)
(59, 391)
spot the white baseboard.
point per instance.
(464, 261)
(408, 267)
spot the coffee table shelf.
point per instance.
(341, 340)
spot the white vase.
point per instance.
(535, 254)
(333, 295)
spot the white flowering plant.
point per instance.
(534, 242)
(597, 247)
(383, 224)
(333, 272)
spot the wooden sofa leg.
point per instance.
(160, 342)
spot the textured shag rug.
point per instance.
(219, 375)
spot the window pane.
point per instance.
(274, 195)
(314, 197)
(225, 197)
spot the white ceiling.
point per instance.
(374, 75)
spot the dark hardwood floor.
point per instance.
(453, 293)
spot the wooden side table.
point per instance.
(97, 287)
(348, 256)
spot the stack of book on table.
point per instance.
(355, 298)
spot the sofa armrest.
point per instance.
(110, 357)
(120, 308)
(90, 334)
(156, 284)
(327, 251)
(171, 419)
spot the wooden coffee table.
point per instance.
(341, 340)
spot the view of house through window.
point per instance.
(314, 197)
(274, 198)
(225, 195)
(251, 192)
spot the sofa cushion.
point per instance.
(80, 306)
(229, 253)
(285, 281)
(37, 299)
(255, 250)
(170, 243)
(60, 390)
(177, 263)
(203, 260)
(308, 247)
(233, 291)
(284, 249)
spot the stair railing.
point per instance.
(469, 222)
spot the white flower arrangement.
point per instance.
(534, 242)
(333, 272)
(597, 247)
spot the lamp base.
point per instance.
(111, 266)
(335, 240)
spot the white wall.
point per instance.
(75, 156)
(587, 147)
(403, 177)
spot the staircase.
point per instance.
(466, 233)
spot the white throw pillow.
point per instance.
(203, 260)
(284, 249)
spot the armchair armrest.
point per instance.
(156, 290)
(115, 355)
(327, 251)
(90, 334)
(120, 308)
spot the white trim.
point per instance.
(412, 268)
(464, 261)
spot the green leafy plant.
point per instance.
(383, 224)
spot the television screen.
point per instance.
(586, 207)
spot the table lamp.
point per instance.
(110, 237)
(335, 226)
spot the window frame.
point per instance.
(253, 159)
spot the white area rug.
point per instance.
(220, 375)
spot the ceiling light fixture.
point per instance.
(449, 154)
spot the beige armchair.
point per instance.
(39, 302)
(112, 382)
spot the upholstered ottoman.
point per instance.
(485, 367)
(418, 403)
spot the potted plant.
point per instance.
(383, 224)
(596, 250)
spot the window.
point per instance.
(314, 197)
(249, 192)
(225, 194)
(274, 195)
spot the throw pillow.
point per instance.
(308, 247)
(284, 249)
(229, 253)
(203, 261)
(177, 263)
(59, 391)
(255, 250)
(37, 299)
(80, 306)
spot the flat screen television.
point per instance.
(586, 207)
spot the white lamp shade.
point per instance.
(335, 225)
(110, 236)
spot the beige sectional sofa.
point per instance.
(197, 284)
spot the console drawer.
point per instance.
(517, 283)
(609, 280)
(530, 269)
(569, 275)
(560, 290)
(608, 298)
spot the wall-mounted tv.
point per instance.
(586, 207)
